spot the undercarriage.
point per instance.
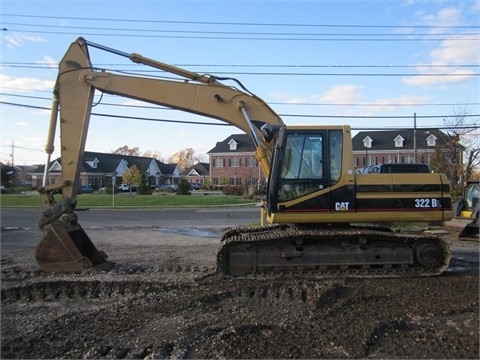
(281, 249)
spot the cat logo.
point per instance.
(342, 206)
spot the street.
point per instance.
(171, 217)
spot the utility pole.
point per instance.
(13, 163)
(414, 138)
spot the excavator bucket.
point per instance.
(471, 230)
(67, 250)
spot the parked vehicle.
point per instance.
(124, 187)
(167, 188)
(85, 189)
(195, 186)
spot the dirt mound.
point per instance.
(167, 302)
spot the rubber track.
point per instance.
(279, 232)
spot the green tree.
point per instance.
(183, 187)
(132, 176)
(143, 188)
(208, 184)
(109, 188)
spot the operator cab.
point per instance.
(304, 161)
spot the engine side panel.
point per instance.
(372, 198)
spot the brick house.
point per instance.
(396, 146)
(198, 173)
(96, 168)
(233, 162)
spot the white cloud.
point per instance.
(25, 84)
(458, 50)
(454, 78)
(17, 40)
(453, 51)
(340, 94)
(405, 100)
(475, 6)
(47, 60)
(444, 17)
(21, 124)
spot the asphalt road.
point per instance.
(19, 227)
(181, 217)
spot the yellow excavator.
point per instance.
(317, 220)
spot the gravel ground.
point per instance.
(160, 298)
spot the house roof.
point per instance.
(385, 140)
(201, 169)
(108, 163)
(244, 144)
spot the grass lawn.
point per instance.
(32, 200)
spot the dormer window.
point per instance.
(233, 144)
(56, 166)
(93, 163)
(431, 140)
(367, 142)
(399, 141)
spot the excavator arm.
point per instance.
(65, 246)
(193, 93)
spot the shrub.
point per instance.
(183, 187)
(143, 188)
(233, 190)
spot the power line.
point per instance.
(426, 66)
(270, 103)
(205, 37)
(284, 115)
(235, 33)
(20, 147)
(247, 23)
(456, 74)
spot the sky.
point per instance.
(368, 64)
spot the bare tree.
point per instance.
(459, 156)
(151, 154)
(125, 150)
(183, 158)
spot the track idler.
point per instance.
(65, 246)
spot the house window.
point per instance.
(93, 163)
(251, 162)
(233, 144)
(431, 140)
(399, 141)
(234, 162)
(426, 159)
(235, 181)
(218, 162)
(367, 142)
